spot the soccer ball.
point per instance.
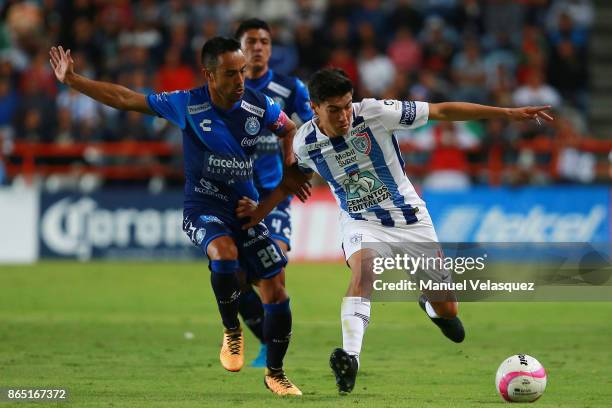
(520, 378)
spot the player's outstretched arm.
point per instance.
(294, 182)
(116, 96)
(456, 111)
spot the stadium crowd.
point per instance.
(502, 52)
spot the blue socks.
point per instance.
(225, 285)
(252, 312)
(277, 332)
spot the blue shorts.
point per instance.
(279, 222)
(259, 256)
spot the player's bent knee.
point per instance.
(222, 248)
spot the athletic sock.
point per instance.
(277, 332)
(430, 311)
(226, 288)
(355, 317)
(252, 312)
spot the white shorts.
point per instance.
(356, 232)
(418, 240)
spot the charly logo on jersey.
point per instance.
(364, 190)
(252, 126)
(362, 143)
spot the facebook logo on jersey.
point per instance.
(221, 167)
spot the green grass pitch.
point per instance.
(114, 335)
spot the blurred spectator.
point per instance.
(35, 116)
(376, 71)
(470, 17)
(405, 51)
(9, 102)
(207, 29)
(174, 74)
(438, 41)
(497, 151)
(341, 57)
(581, 12)
(448, 167)
(568, 31)
(265, 9)
(468, 72)
(429, 88)
(39, 74)
(569, 74)
(217, 11)
(84, 114)
(371, 13)
(284, 59)
(339, 34)
(309, 50)
(536, 92)
(398, 89)
(308, 13)
(83, 39)
(504, 15)
(405, 14)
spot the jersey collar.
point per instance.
(261, 82)
(218, 108)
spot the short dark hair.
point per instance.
(215, 47)
(251, 24)
(327, 83)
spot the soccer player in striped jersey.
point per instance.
(271, 154)
(352, 146)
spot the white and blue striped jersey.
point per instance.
(364, 168)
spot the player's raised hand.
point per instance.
(531, 113)
(61, 62)
(248, 209)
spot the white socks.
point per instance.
(355, 317)
(430, 310)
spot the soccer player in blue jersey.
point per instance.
(221, 123)
(352, 146)
(271, 154)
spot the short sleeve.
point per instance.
(274, 118)
(302, 101)
(302, 164)
(396, 115)
(170, 105)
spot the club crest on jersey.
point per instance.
(362, 143)
(251, 126)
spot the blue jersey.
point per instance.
(292, 96)
(218, 145)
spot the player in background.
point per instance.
(221, 123)
(352, 146)
(271, 155)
